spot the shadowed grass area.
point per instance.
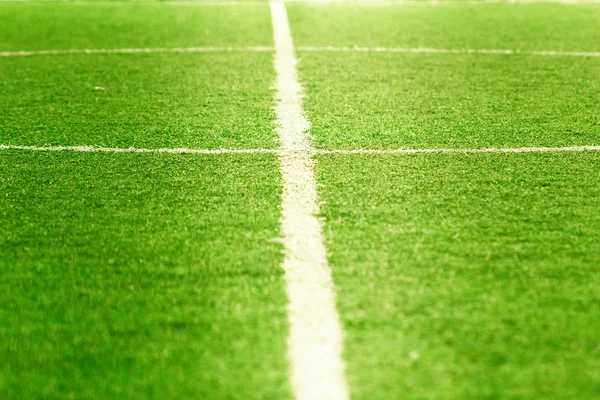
(140, 276)
(466, 276)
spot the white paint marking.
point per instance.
(143, 2)
(292, 151)
(315, 339)
(550, 53)
(260, 3)
(207, 3)
(463, 151)
(438, 2)
(136, 51)
(97, 149)
(203, 2)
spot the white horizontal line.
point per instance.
(256, 2)
(548, 53)
(96, 149)
(136, 51)
(154, 2)
(200, 3)
(449, 51)
(438, 2)
(463, 151)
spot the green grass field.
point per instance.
(129, 275)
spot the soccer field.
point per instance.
(310, 200)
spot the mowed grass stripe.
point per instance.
(141, 276)
(315, 339)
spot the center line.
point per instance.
(315, 338)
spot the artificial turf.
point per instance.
(201, 100)
(152, 276)
(140, 277)
(118, 24)
(466, 276)
(391, 100)
(541, 26)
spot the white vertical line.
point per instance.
(315, 339)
